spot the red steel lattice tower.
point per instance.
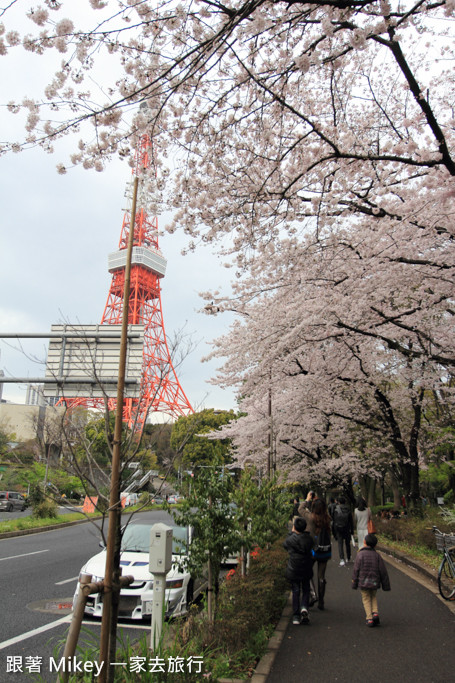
(160, 387)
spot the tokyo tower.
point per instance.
(160, 388)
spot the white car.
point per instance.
(136, 599)
(128, 499)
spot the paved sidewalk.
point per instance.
(413, 644)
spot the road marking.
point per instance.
(13, 557)
(35, 632)
(60, 583)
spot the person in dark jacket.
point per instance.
(370, 574)
(331, 506)
(299, 570)
(322, 551)
(305, 511)
(343, 528)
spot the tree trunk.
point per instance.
(115, 601)
(363, 483)
(395, 491)
(413, 498)
(210, 594)
(368, 489)
(349, 491)
(371, 492)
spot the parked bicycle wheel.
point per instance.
(446, 576)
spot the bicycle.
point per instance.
(446, 572)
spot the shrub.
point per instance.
(449, 498)
(247, 603)
(46, 509)
(413, 530)
(36, 495)
(144, 498)
(248, 609)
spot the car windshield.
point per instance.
(136, 538)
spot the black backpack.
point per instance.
(341, 517)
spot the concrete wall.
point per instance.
(21, 420)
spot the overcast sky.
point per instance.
(56, 232)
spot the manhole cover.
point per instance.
(52, 606)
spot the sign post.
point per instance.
(160, 562)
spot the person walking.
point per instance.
(305, 512)
(343, 528)
(362, 515)
(369, 574)
(299, 570)
(295, 507)
(322, 551)
(331, 506)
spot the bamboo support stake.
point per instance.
(114, 499)
(86, 588)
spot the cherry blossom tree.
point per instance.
(241, 78)
(345, 403)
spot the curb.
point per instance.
(431, 574)
(264, 665)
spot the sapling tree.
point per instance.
(88, 442)
(208, 509)
(260, 510)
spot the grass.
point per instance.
(413, 535)
(431, 558)
(24, 523)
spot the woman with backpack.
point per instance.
(322, 551)
(343, 528)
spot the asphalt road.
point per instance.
(38, 575)
(413, 644)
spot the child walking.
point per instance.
(370, 574)
(299, 571)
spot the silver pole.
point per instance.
(159, 591)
